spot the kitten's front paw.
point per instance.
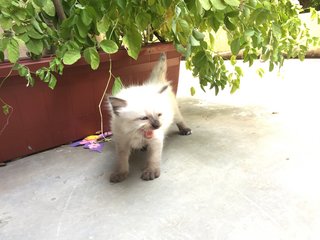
(150, 174)
(118, 176)
(185, 131)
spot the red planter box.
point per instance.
(43, 118)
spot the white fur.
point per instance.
(142, 101)
(155, 101)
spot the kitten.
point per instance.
(141, 116)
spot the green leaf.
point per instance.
(205, 4)
(13, 50)
(142, 20)
(52, 82)
(233, 14)
(71, 56)
(104, 24)
(92, 57)
(253, 3)
(1, 56)
(5, 3)
(47, 77)
(182, 26)
(24, 37)
(235, 46)
(218, 4)
(234, 88)
(234, 3)
(216, 88)
(40, 73)
(30, 80)
(211, 41)
(214, 23)
(82, 29)
(192, 91)
(262, 17)
(19, 29)
(48, 8)
(260, 72)
(5, 109)
(23, 71)
(229, 24)
(314, 13)
(198, 35)
(35, 46)
(249, 33)
(109, 46)
(194, 42)
(36, 25)
(132, 41)
(34, 34)
(39, 3)
(233, 60)
(239, 70)
(200, 59)
(276, 30)
(5, 23)
(85, 17)
(121, 3)
(181, 49)
(271, 66)
(20, 14)
(117, 86)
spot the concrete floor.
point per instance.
(250, 170)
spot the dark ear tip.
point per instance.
(164, 88)
(117, 102)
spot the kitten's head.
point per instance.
(142, 107)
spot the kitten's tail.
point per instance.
(159, 72)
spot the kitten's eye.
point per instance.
(159, 114)
(144, 118)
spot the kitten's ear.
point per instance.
(117, 103)
(164, 88)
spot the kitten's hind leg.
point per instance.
(122, 169)
(183, 129)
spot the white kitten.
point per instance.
(141, 116)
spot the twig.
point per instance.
(8, 119)
(4, 103)
(103, 96)
(160, 38)
(59, 10)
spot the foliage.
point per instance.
(306, 4)
(261, 29)
(315, 4)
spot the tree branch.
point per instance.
(59, 9)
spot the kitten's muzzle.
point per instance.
(155, 124)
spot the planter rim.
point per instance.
(5, 67)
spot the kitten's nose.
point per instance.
(155, 124)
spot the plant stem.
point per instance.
(103, 96)
(4, 103)
(161, 39)
(59, 10)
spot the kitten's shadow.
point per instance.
(138, 157)
(137, 160)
